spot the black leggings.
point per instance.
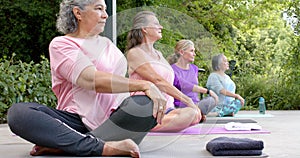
(49, 127)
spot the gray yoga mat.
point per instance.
(226, 120)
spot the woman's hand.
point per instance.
(159, 102)
(214, 95)
(236, 96)
(241, 99)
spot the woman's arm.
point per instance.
(199, 89)
(142, 67)
(236, 96)
(103, 82)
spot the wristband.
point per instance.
(207, 91)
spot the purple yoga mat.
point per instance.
(204, 131)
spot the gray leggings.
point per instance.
(206, 105)
(49, 127)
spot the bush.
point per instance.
(25, 82)
(275, 92)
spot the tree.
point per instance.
(251, 32)
(27, 28)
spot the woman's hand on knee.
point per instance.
(215, 96)
(159, 102)
(241, 99)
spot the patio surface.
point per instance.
(283, 141)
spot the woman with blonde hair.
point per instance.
(186, 77)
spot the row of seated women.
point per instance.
(102, 112)
(219, 84)
(179, 81)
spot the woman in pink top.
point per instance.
(95, 115)
(147, 63)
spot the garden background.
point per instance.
(260, 35)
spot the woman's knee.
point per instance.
(14, 115)
(207, 104)
(209, 101)
(139, 105)
(135, 114)
(212, 104)
(212, 101)
(189, 115)
(20, 112)
(14, 111)
(196, 116)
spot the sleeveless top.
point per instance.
(161, 67)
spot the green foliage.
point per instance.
(25, 82)
(253, 33)
(293, 11)
(27, 28)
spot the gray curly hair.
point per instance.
(66, 21)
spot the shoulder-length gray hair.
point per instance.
(66, 21)
(216, 61)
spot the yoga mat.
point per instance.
(224, 121)
(203, 131)
(252, 115)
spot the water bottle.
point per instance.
(262, 105)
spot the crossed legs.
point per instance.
(60, 132)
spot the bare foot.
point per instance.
(232, 114)
(39, 150)
(121, 148)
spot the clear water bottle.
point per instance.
(262, 105)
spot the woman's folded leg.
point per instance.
(132, 120)
(51, 128)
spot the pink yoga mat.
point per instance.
(204, 131)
